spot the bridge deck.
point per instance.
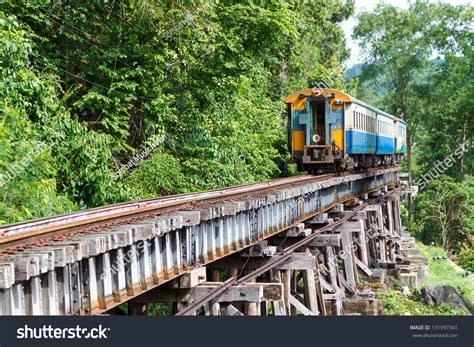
(78, 266)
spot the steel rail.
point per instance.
(286, 254)
(27, 229)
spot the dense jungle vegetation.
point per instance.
(87, 85)
(195, 89)
(419, 66)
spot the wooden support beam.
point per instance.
(193, 278)
(319, 289)
(348, 258)
(249, 292)
(351, 289)
(310, 298)
(252, 309)
(279, 308)
(325, 240)
(363, 243)
(332, 266)
(397, 217)
(349, 226)
(137, 309)
(215, 308)
(216, 275)
(321, 218)
(286, 280)
(231, 310)
(298, 231)
(297, 261)
(325, 284)
(299, 306)
(390, 217)
(337, 308)
(364, 268)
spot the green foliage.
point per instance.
(159, 309)
(27, 169)
(435, 97)
(160, 175)
(466, 260)
(95, 81)
(397, 304)
(442, 272)
(443, 213)
(439, 272)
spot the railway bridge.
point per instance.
(311, 245)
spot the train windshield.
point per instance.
(318, 131)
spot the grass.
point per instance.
(397, 304)
(442, 272)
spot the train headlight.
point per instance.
(316, 138)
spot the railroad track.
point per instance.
(286, 253)
(100, 218)
(101, 257)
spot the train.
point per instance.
(329, 129)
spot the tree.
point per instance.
(399, 44)
(208, 76)
(444, 214)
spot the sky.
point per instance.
(361, 6)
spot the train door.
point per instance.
(318, 113)
(335, 127)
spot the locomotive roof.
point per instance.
(346, 98)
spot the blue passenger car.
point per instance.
(328, 128)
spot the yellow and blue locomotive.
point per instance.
(328, 128)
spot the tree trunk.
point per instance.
(410, 197)
(463, 151)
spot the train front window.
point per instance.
(319, 123)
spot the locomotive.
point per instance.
(329, 129)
